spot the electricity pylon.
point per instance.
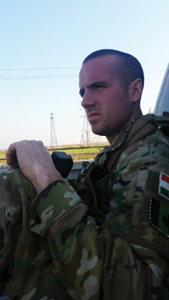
(53, 139)
(86, 137)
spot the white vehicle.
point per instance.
(162, 103)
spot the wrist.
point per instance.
(43, 179)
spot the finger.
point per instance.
(40, 142)
(14, 163)
(10, 153)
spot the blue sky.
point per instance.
(43, 43)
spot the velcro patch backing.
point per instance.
(159, 216)
(164, 185)
(157, 191)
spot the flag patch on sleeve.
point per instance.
(164, 185)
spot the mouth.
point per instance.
(92, 117)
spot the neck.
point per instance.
(134, 117)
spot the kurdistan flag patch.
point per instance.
(164, 185)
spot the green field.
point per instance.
(84, 153)
(2, 156)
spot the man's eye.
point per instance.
(99, 86)
(82, 93)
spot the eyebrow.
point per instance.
(96, 83)
(93, 84)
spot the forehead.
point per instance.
(98, 69)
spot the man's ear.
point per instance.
(135, 90)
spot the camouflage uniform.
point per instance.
(103, 236)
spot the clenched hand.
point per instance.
(34, 161)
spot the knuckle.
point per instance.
(40, 142)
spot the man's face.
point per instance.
(107, 103)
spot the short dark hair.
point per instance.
(129, 68)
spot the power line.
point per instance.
(59, 68)
(38, 77)
(32, 77)
(154, 71)
(30, 69)
(59, 76)
(155, 63)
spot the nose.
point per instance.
(87, 100)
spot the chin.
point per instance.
(99, 128)
(98, 131)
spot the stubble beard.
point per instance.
(102, 130)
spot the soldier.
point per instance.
(104, 235)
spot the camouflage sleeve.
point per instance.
(52, 203)
(26, 264)
(59, 209)
(12, 212)
(72, 238)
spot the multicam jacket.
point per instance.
(102, 236)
